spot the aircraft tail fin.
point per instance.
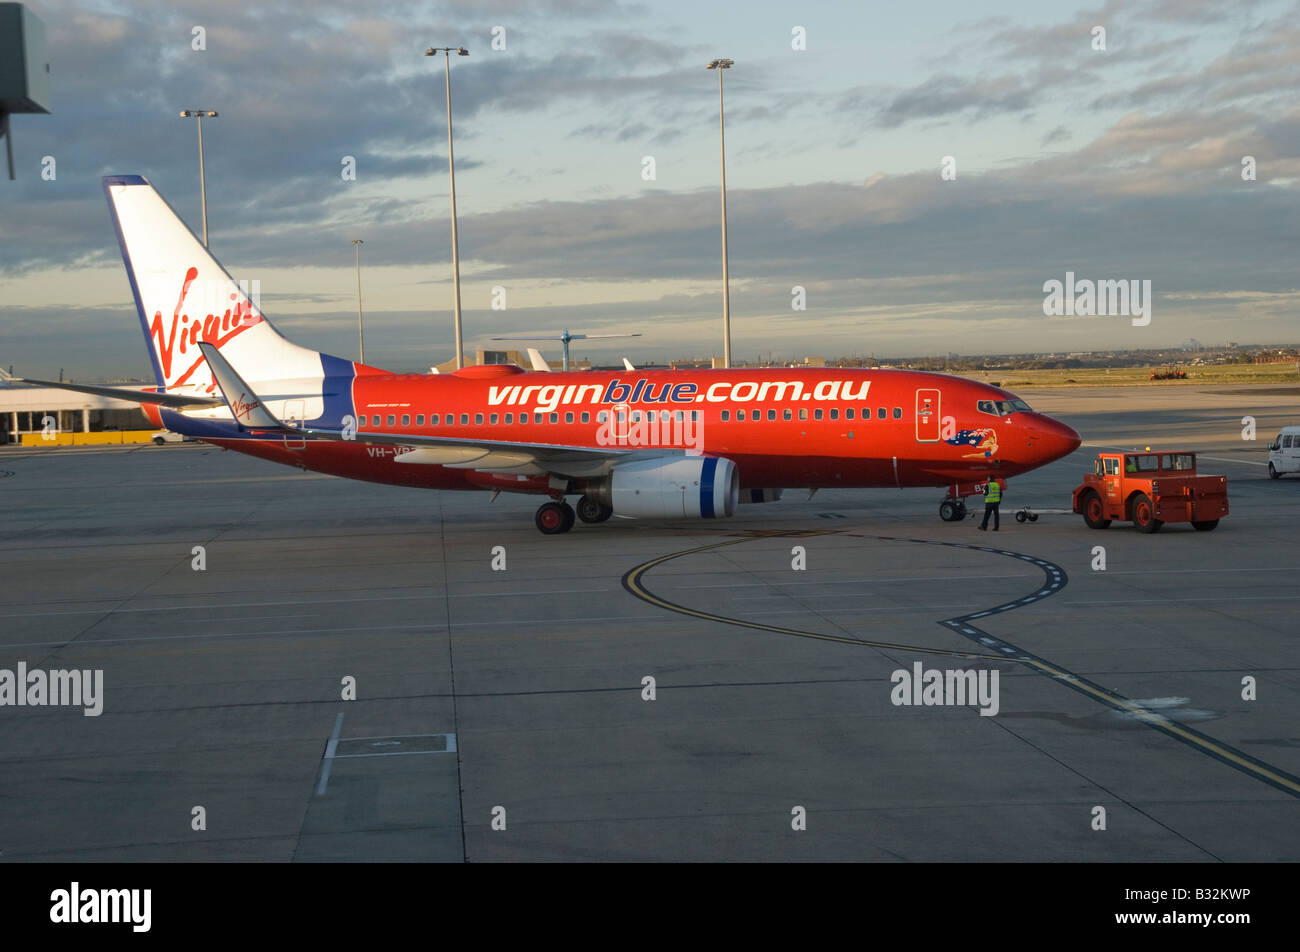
(183, 295)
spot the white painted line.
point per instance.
(393, 753)
(326, 601)
(328, 759)
(1221, 459)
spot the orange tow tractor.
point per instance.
(1149, 489)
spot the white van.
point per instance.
(1284, 452)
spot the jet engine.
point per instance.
(694, 487)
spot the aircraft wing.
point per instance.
(488, 456)
(175, 401)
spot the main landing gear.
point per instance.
(591, 510)
(554, 517)
(557, 516)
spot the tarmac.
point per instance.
(1149, 711)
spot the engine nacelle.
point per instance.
(760, 495)
(696, 487)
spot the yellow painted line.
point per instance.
(1162, 723)
(1208, 745)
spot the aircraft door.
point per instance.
(927, 416)
(293, 414)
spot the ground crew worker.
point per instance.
(992, 497)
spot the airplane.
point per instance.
(663, 444)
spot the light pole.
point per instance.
(361, 334)
(451, 173)
(720, 65)
(203, 184)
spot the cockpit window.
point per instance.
(1002, 408)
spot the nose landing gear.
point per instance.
(952, 510)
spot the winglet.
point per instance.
(243, 402)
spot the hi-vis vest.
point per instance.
(994, 492)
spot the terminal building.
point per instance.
(36, 412)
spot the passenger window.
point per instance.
(510, 418)
(835, 414)
(848, 413)
(478, 418)
(433, 419)
(602, 417)
(695, 416)
(586, 417)
(555, 418)
(392, 420)
(568, 417)
(785, 414)
(523, 418)
(771, 414)
(725, 416)
(406, 419)
(803, 413)
(817, 414)
(419, 420)
(493, 419)
(636, 416)
(464, 419)
(678, 414)
(880, 413)
(664, 416)
(898, 413)
(740, 416)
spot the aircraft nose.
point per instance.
(1054, 439)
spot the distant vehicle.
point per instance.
(1169, 373)
(1284, 452)
(1150, 489)
(167, 436)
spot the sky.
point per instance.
(920, 171)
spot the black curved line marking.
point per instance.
(1055, 579)
(632, 583)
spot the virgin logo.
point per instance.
(242, 409)
(186, 332)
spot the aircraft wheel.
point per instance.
(1093, 511)
(948, 511)
(589, 510)
(1021, 517)
(1144, 514)
(961, 510)
(1206, 525)
(554, 517)
(1272, 472)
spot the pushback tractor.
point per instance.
(1150, 489)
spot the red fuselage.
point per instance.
(783, 428)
